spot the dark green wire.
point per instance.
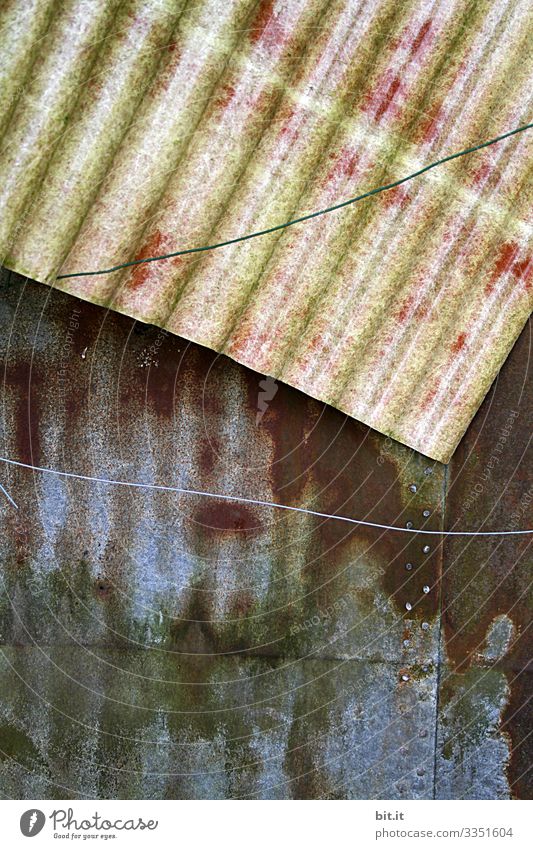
(303, 217)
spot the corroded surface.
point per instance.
(139, 724)
(161, 645)
(144, 127)
(488, 598)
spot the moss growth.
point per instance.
(16, 745)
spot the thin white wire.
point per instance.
(7, 495)
(259, 502)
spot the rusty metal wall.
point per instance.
(173, 646)
(487, 600)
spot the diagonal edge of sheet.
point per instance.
(138, 128)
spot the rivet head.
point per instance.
(413, 487)
(426, 549)
(408, 605)
(421, 771)
(409, 525)
(428, 470)
(406, 643)
(408, 566)
(425, 589)
(423, 733)
(425, 626)
(426, 513)
(405, 677)
(425, 668)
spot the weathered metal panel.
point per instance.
(196, 574)
(485, 701)
(166, 646)
(140, 724)
(284, 640)
(146, 127)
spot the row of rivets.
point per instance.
(409, 566)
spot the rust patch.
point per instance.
(489, 578)
(479, 589)
(506, 256)
(218, 517)
(163, 373)
(156, 245)
(346, 164)
(265, 26)
(523, 271)
(405, 309)
(399, 196)
(420, 37)
(428, 129)
(208, 453)
(227, 93)
(26, 381)
(387, 97)
(318, 449)
(459, 343)
(516, 724)
(430, 396)
(289, 126)
(482, 173)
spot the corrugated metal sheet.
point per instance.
(160, 646)
(134, 129)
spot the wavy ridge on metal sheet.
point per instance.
(131, 129)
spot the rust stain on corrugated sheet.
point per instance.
(135, 129)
